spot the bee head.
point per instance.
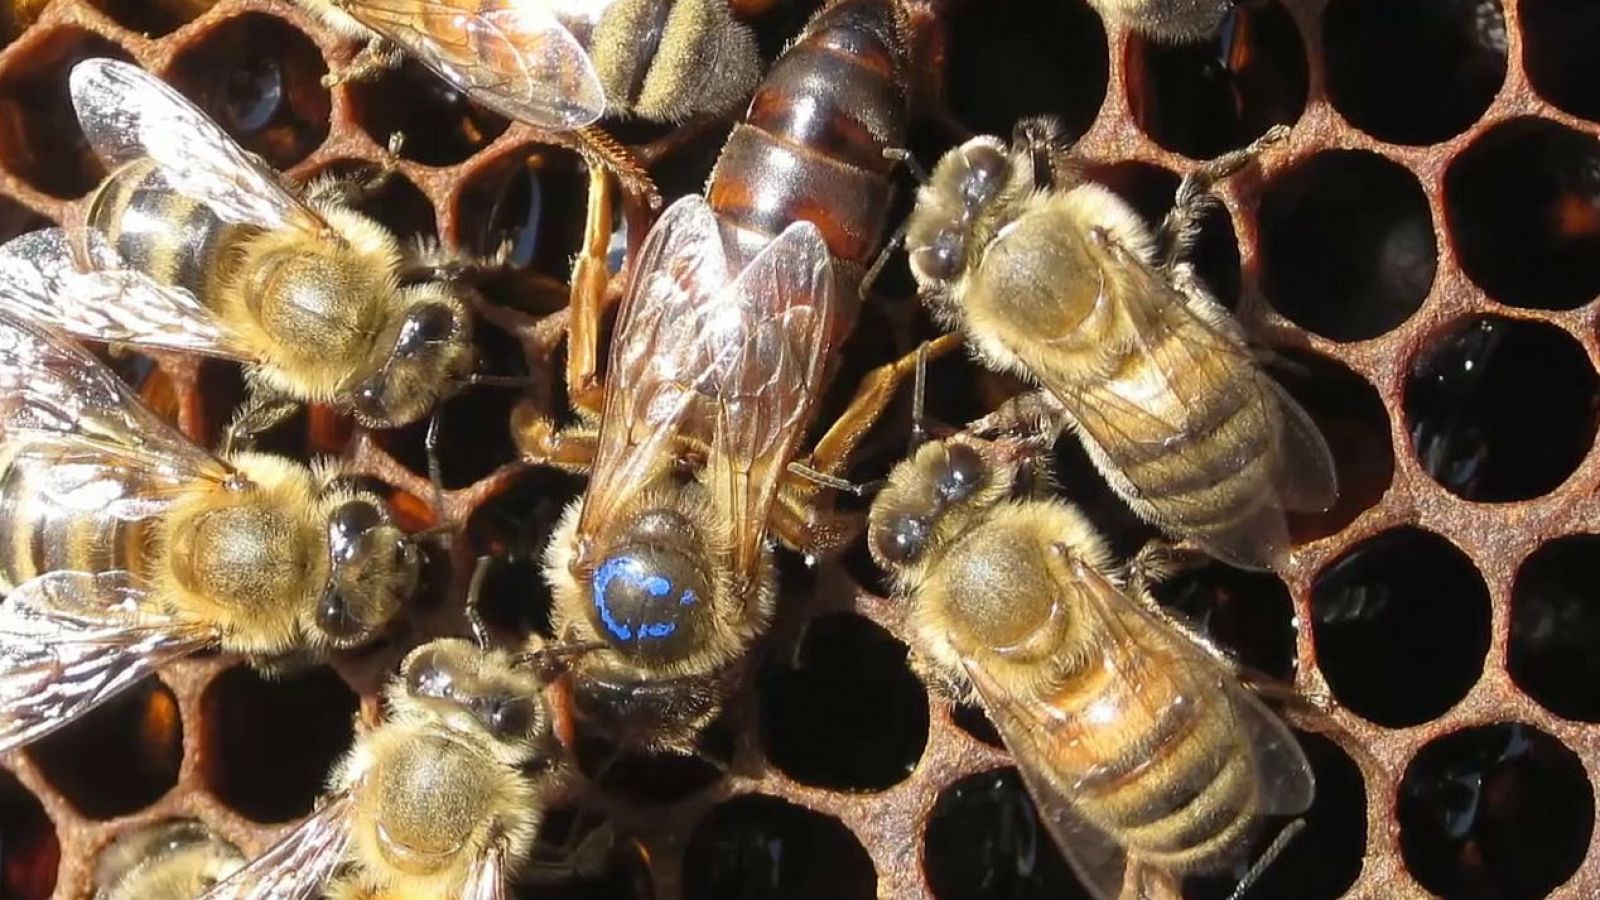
(420, 356)
(373, 568)
(912, 512)
(954, 209)
(454, 677)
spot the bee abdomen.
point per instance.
(666, 60)
(38, 535)
(156, 230)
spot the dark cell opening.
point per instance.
(1149, 190)
(1559, 37)
(260, 78)
(1494, 812)
(40, 141)
(1347, 244)
(16, 219)
(441, 127)
(843, 711)
(1416, 72)
(1555, 627)
(1501, 410)
(1206, 97)
(32, 851)
(762, 848)
(1401, 623)
(153, 18)
(656, 777)
(119, 758)
(974, 721)
(534, 205)
(1523, 206)
(1081, 484)
(514, 529)
(1353, 421)
(984, 839)
(268, 746)
(1248, 614)
(610, 866)
(1026, 58)
(397, 204)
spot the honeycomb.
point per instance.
(1420, 261)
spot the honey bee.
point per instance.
(124, 546)
(1173, 21)
(1147, 758)
(735, 307)
(441, 799)
(193, 245)
(561, 65)
(174, 860)
(1055, 278)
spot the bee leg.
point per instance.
(587, 306)
(377, 57)
(582, 857)
(430, 260)
(1033, 415)
(261, 411)
(543, 444)
(353, 190)
(1179, 229)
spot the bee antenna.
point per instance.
(548, 661)
(484, 379)
(1266, 858)
(480, 574)
(909, 160)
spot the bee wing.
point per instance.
(127, 114)
(486, 880)
(663, 354)
(770, 344)
(70, 641)
(42, 279)
(513, 56)
(299, 864)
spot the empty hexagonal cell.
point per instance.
(843, 710)
(1500, 409)
(1150, 190)
(440, 125)
(1401, 624)
(267, 746)
(1355, 424)
(118, 758)
(1555, 627)
(1347, 244)
(514, 529)
(1559, 37)
(153, 17)
(984, 839)
(1523, 206)
(533, 202)
(1496, 811)
(40, 141)
(1415, 72)
(261, 79)
(32, 851)
(1247, 613)
(1205, 97)
(763, 848)
(1026, 58)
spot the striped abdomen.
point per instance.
(666, 60)
(156, 230)
(37, 535)
(811, 146)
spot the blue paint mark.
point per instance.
(632, 572)
(688, 599)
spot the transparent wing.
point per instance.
(513, 56)
(41, 278)
(127, 113)
(296, 867)
(662, 355)
(486, 880)
(769, 340)
(70, 641)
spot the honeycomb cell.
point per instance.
(1555, 627)
(1401, 624)
(821, 728)
(984, 839)
(1351, 416)
(1206, 97)
(621, 873)
(1347, 244)
(1150, 190)
(40, 141)
(1523, 207)
(1500, 409)
(1026, 58)
(267, 746)
(154, 18)
(1496, 811)
(119, 758)
(32, 851)
(440, 125)
(531, 202)
(394, 201)
(763, 848)
(972, 719)
(514, 529)
(1417, 72)
(261, 79)
(1247, 613)
(1559, 37)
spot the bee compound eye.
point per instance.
(962, 473)
(428, 676)
(901, 537)
(426, 324)
(941, 259)
(336, 619)
(509, 717)
(987, 170)
(351, 520)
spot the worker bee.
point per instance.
(124, 546)
(441, 799)
(173, 860)
(1056, 278)
(1148, 759)
(1173, 21)
(192, 244)
(562, 65)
